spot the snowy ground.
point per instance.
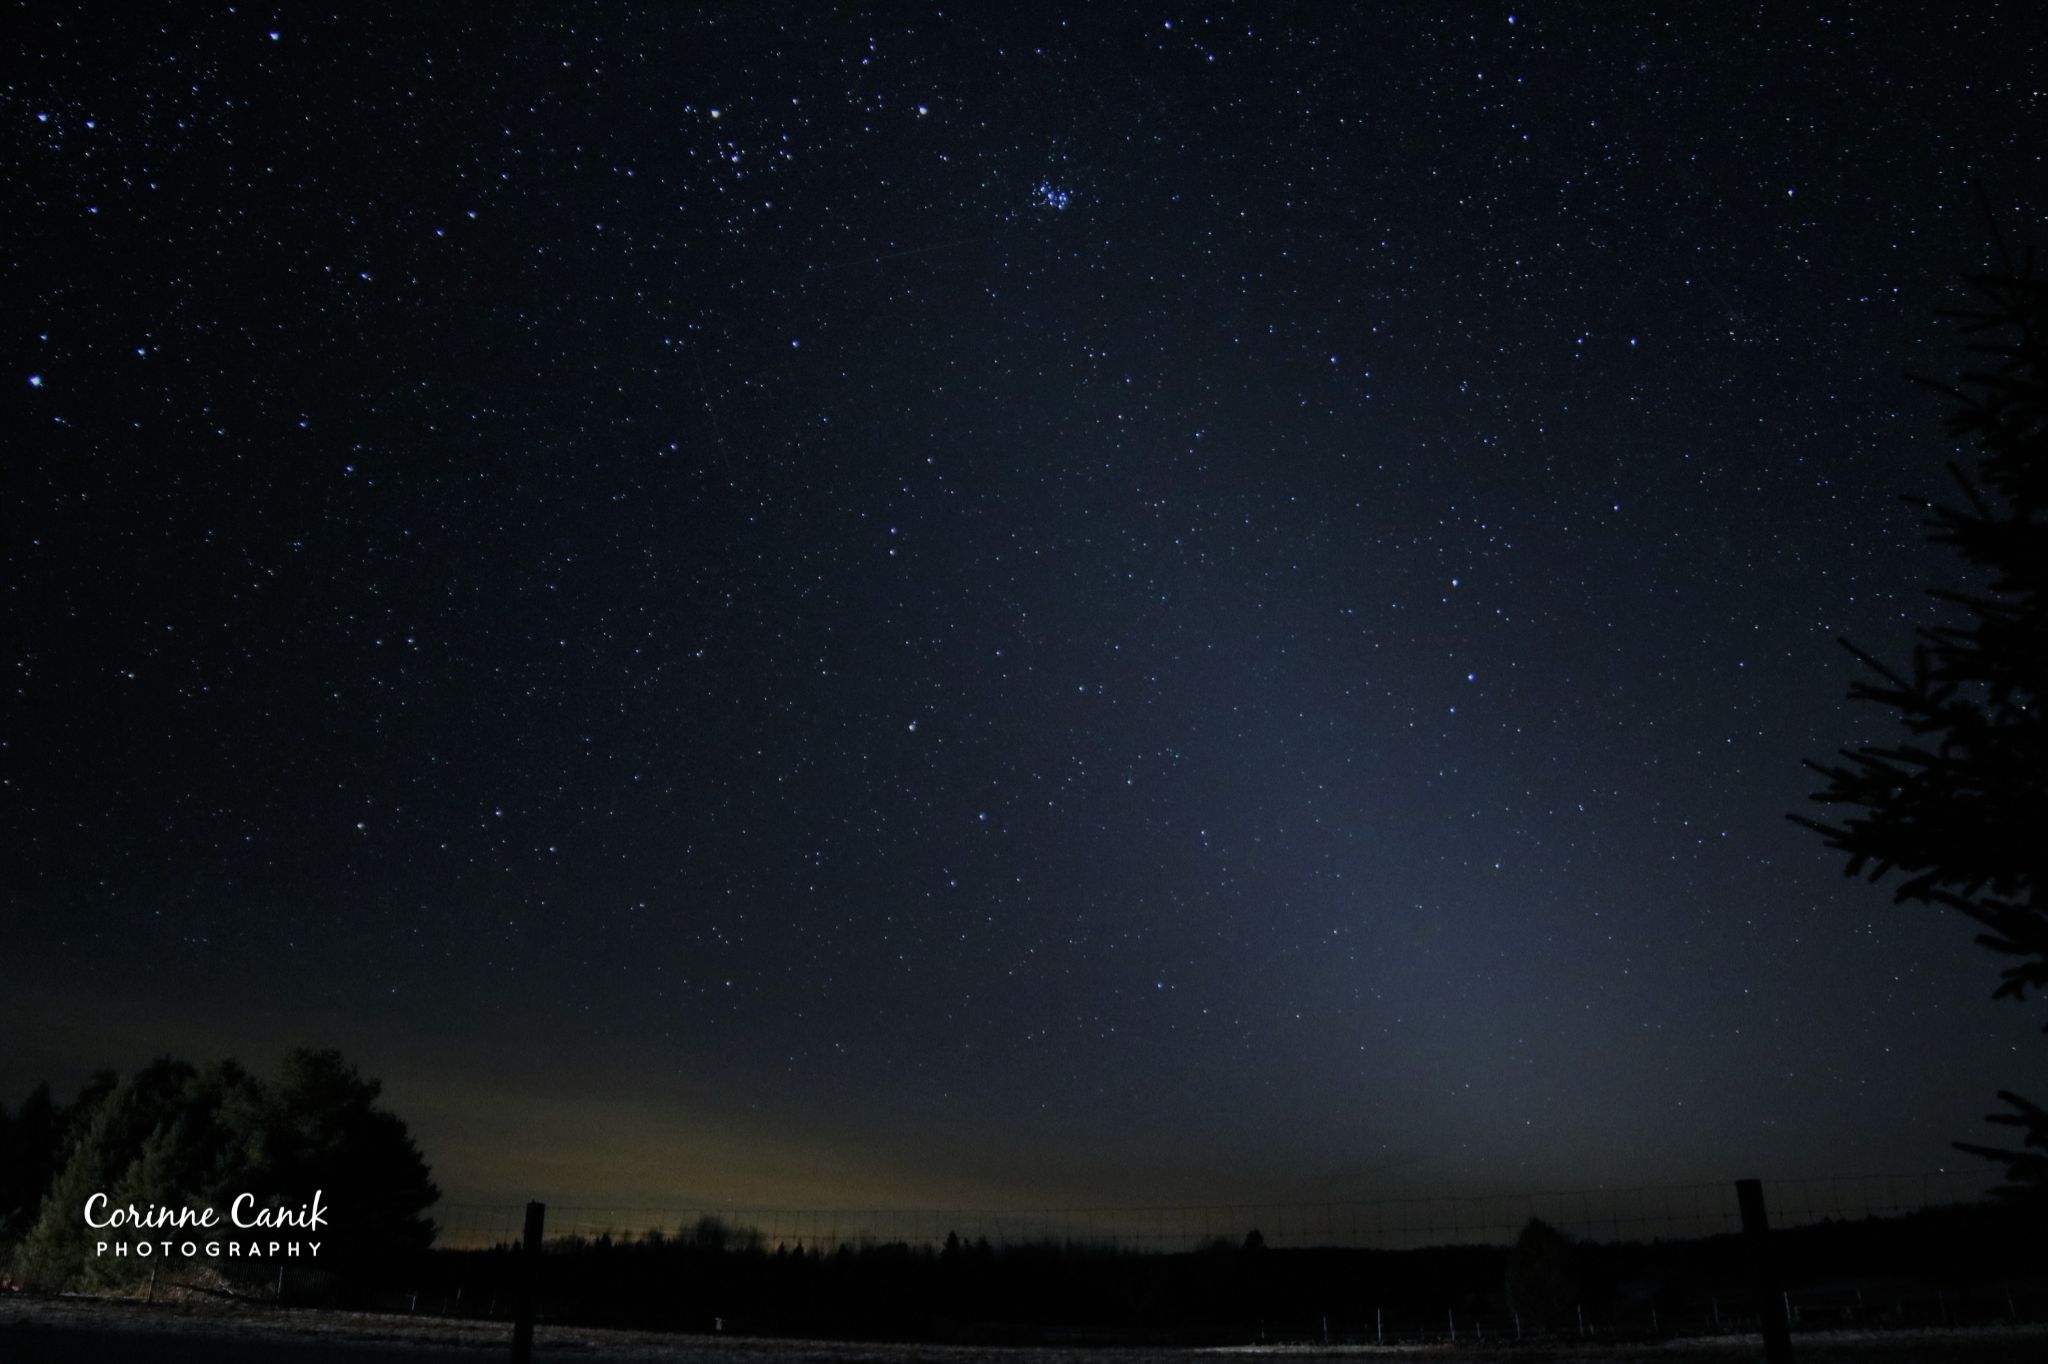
(91, 1331)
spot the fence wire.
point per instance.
(1645, 1213)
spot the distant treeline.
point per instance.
(1974, 1263)
(175, 1135)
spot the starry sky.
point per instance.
(971, 606)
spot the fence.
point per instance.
(1647, 1213)
(1640, 1264)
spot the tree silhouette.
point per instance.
(133, 1140)
(174, 1135)
(1543, 1278)
(1958, 806)
(317, 1126)
(2026, 1172)
(29, 1144)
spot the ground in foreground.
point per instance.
(97, 1331)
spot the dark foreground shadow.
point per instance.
(41, 1344)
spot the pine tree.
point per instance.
(175, 1136)
(1960, 806)
(1544, 1275)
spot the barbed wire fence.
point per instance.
(1643, 1213)
(1660, 1261)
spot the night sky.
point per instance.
(945, 607)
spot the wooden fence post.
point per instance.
(528, 1278)
(1756, 1232)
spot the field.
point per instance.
(95, 1331)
